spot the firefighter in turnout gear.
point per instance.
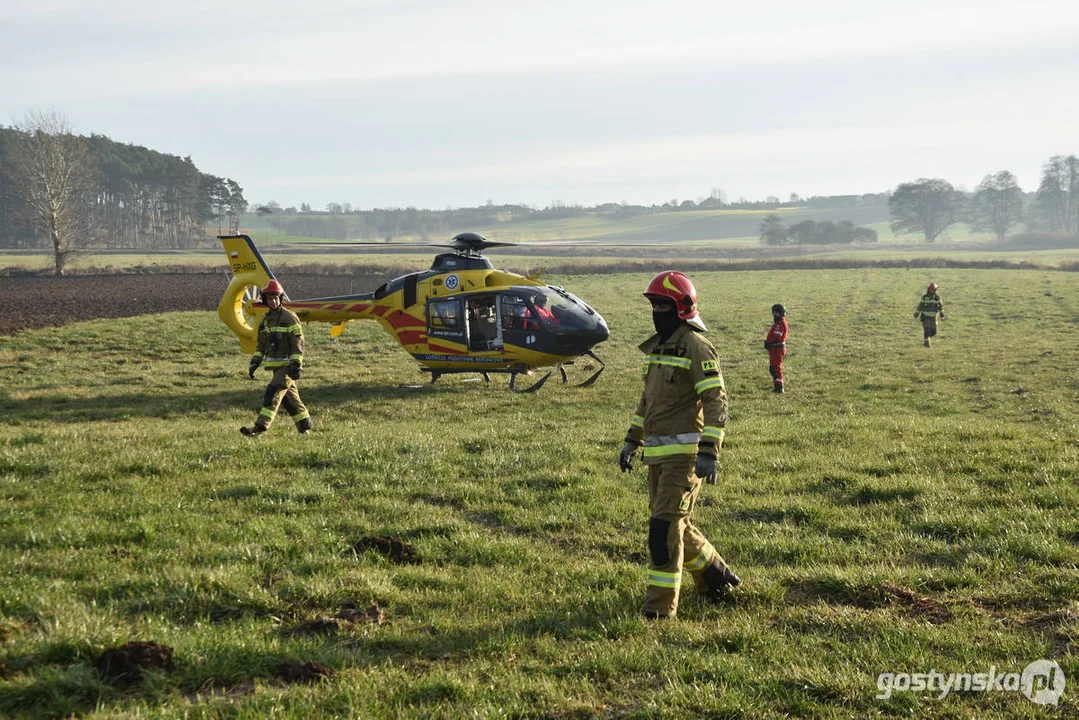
(678, 427)
(929, 309)
(280, 349)
(776, 345)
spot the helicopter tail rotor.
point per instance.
(249, 275)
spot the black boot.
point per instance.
(720, 580)
(252, 431)
(778, 388)
(304, 426)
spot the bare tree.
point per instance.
(997, 204)
(927, 206)
(54, 171)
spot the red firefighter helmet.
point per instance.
(675, 286)
(273, 287)
(932, 287)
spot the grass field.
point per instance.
(900, 510)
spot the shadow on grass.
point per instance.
(61, 683)
(173, 405)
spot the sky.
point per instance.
(454, 103)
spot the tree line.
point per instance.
(343, 221)
(931, 205)
(67, 192)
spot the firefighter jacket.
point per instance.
(280, 340)
(683, 409)
(777, 336)
(930, 306)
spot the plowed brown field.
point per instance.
(33, 302)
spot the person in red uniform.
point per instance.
(542, 315)
(776, 345)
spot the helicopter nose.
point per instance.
(600, 333)
(594, 335)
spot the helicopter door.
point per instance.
(445, 319)
(484, 332)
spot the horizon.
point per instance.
(414, 104)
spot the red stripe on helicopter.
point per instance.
(411, 337)
(403, 320)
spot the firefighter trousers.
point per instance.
(674, 542)
(929, 325)
(281, 392)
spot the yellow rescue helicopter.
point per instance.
(460, 316)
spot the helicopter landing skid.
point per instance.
(591, 379)
(534, 388)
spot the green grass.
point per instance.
(899, 510)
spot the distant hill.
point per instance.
(659, 225)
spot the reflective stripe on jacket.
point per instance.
(777, 335)
(683, 409)
(280, 339)
(930, 305)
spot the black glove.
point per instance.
(766, 345)
(942, 316)
(916, 314)
(625, 458)
(706, 468)
(255, 362)
(294, 370)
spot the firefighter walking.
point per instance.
(280, 349)
(776, 345)
(678, 426)
(929, 309)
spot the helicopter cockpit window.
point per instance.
(516, 314)
(557, 308)
(444, 317)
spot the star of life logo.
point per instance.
(1042, 682)
(452, 281)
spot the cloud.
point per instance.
(277, 46)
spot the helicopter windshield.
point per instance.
(549, 308)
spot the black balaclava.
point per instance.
(666, 322)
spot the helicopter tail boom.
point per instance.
(249, 274)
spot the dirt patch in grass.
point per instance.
(870, 596)
(344, 620)
(125, 664)
(44, 301)
(397, 551)
(1052, 619)
(303, 671)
